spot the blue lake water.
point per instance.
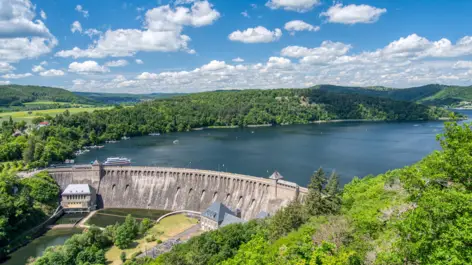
(352, 149)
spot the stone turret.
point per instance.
(276, 176)
(97, 170)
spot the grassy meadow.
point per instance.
(28, 116)
(165, 229)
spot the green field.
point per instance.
(45, 102)
(137, 213)
(28, 116)
(112, 216)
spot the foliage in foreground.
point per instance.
(421, 214)
(90, 246)
(24, 203)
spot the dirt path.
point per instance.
(83, 221)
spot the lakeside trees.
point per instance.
(90, 246)
(67, 132)
(24, 203)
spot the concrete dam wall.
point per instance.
(179, 188)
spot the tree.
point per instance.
(314, 199)
(144, 226)
(123, 257)
(287, 219)
(123, 237)
(332, 200)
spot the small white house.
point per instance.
(78, 198)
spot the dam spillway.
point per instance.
(179, 188)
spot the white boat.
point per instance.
(176, 141)
(125, 138)
(154, 134)
(117, 161)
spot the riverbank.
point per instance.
(37, 246)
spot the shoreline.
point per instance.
(315, 122)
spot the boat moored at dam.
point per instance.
(179, 188)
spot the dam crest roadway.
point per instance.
(176, 189)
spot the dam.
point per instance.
(179, 188)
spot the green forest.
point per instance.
(69, 132)
(433, 94)
(16, 95)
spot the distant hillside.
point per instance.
(119, 98)
(433, 94)
(451, 96)
(16, 95)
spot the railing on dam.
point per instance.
(192, 173)
(187, 212)
(182, 172)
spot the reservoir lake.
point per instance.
(296, 151)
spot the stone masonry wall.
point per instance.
(179, 189)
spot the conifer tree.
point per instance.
(314, 199)
(332, 201)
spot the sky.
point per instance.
(201, 45)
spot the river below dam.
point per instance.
(296, 151)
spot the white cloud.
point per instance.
(214, 65)
(16, 20)
(76, 27)
(463, 65)
(139, 61)
(87, 67)
(293, 5)
(118, 63)
(245, 14)
(183, 2)
(43, 15)
(352, 14)
(21, 36)
(254, 6)
(238, 60)
(278, 62)
(256, 35)
(325, 53)
(92, 32)
(52, 72)
(409, 61)
(5, 82)
(162, 32)
(147, 76)
(81, 10)
(6, 67)
(43, 63)
(16, 49)
(299, 25)
(37, 68)
(16, 76)
(119, 78)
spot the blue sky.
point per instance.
(199, 45)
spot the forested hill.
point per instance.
(16, 95)
(69, 132)
(434, 94)
(119, 98)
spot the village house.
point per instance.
(78, 198)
